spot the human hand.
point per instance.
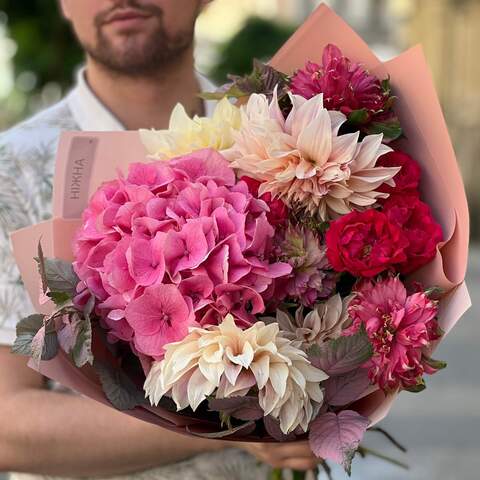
(296, 456)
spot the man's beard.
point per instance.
(136, 58)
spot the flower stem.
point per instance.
(276, 474)
(390, 438)
(368, 451)
(299, 475)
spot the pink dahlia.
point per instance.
(346, 85)
(175, 244)
(400, 326)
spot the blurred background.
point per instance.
(38, 57)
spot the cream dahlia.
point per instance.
(185, 135)
(226, 361)
(325, 321)
(304, 161)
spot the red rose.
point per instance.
(407, 179)
(418, 225)
(365, 243)
(278, 210)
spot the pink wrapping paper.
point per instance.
(86, 159)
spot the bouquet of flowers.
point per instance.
(279, 271)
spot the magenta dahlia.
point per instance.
(400, 326)
(346, 86)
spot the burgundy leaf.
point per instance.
(272, 425)
(341, 355)
(336, 437)
(347, 388)
(242, 408)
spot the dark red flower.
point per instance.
(407, 179)
(365, 243)
(415, 219)
(278, 210)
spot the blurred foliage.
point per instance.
(45, 43)
(259, 37)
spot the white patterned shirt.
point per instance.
(27, 164)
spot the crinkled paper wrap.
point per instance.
(86, 159)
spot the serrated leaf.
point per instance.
(44, 345)
(26, 330)
(82, 349)
(341, 355)
(41, 266)
(60, 276)
(75, 338)
(242, 408)
(59, 298)
(122, 393)
(344, 389)
(336, 437)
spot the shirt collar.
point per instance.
(91, 114)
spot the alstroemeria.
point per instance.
(226, 361)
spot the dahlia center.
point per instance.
(384, 337)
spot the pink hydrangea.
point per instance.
(175, 244)
(400, 326)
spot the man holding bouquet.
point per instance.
(139, 64)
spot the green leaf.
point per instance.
(386, 88)
(44, 345)
(122, 393)
(60, 276)
(341, 355)
(299, 475)
(82, 349)
(391, 130)
(41, 266)
(27, 328)
(434, 292)
(419, 387)
(59, 298)
(233, 91)
(358, 117)
(436, 364)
